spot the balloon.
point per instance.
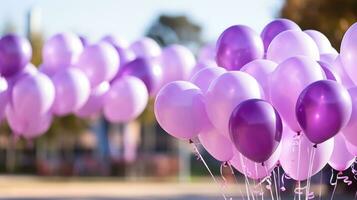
(328, 58)
(145, 48)
(125, 100)
(287, 82)
(121, 46)
(72, 91)
(349, 52)
(204, 77)
(179, 109)
(351, 148)
(99, 62)
(237, 46)
(322, 109)
(275, 27)
(201, 65)
(15, 54)
(345, 79)
(255, 129)
(4, 97)
(322, 42)
(349, 131)
(177, 63)
(30, 69)
(292, 43)
(95, 101)
(207, 53)
(28, 127)
(341, 159)
(147, 70)
(255, 170)
(84, 40)
(61, 51)
(116, 41)
(33, 95)
(218, 145)
(296, 154)
(225, 93)
(329, 72)
(261, 70)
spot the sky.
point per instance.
(130, 19)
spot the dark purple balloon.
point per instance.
(330, 74)
(146, 70)
(15, 54)
(274, 28)
(322, 109)
(237, 46)
(255, 128)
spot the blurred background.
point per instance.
(118, 157)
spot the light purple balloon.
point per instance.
(297, 167)
(349, 52)
(322, 42)
(4, 97)
(177, 63)
(218, 145)
(340, 69)
(201, 65)
(207, 53)
(292, 43)
(341, 159)
(261, 70)
(28, 127)
(204, 77)
(116, 41)
(255, 170)
(72, 91)
(330, 72)
(33, 95)
(275, 27)
(145, 48)
(328, 58)
(349, 131)
(225, 93)
(61, 51)
(179, 109)
(351, 148)
(288, 81)
(99, 62)
(95, 102)
(125, 100)
(30, 69)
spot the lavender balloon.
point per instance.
(204, 77)
(329, 72)
(349, 52)
(201, 65)
(125, 100)
(99, 62)
(61, 51)
(72, 91)
(337, 65)
(288, 81)
(322, 42)
(4, 97)
(15, 54)
(275, 27)
(323, 109)
(341, 159)
(207, 53)
(328, 58)
(349, 131)
(237, 46)
(292, 43)
(179, 109)
(116, 41)
(145, 48)
(255, 129)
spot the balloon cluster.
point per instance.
(109, 77)
(285, 97)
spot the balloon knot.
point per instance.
(315, 146)
(263, 164)
(190, 141)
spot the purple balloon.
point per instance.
(255, 129)
(30, 69)
(274, 28)
(95, 101)
(116, 41)
(72, 91)
(340, 69)
(292, 43)
(179, 109)
(351, 148)
(99, 62)
(349, 131)
(237, 46)
(322, 109)
(341, 159)
(322, 42)
(61, 51)
(145, 48)
(125, 100)
(207, 53)
(4, 97)
(328, 58)
(204, 77)
(329, 72)
(147, 70)
(349, 52)
(201, 65)
(33, 95)
(15, 54)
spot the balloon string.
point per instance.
(300, 190)
(276, 189)
(354, 171)
(235, 178)
(339, 176)
(258, 191)
(284, 176)
(334, 184)
(223, 165)
(297, 142)
(268, 180)
(320, 192)
(247, 185)
(311, 164)
(208, 169)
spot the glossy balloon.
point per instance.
(341, 159)
(292, 43)
(339, 68)
(225, 93)
(323, 109)
(288, 81)
(15, 54)
(201, 65)
(237, 46)
(255, 129)
(207, 53)
(351, 148)
(349, 52)
(329, 72)
(204, 77)
(4, 97)
(322, 42)
(328, 58)
(179, 109)
(349, 131)
(145, 48)
(116, 41)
